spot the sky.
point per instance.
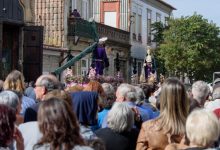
(209, 9)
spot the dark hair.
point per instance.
(148, 89)
(97, 144)
(7, 120)
(58, 125)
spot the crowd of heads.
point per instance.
(91, 116)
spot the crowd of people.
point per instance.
(45, 115)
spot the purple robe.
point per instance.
(100, 59)
(148, 70)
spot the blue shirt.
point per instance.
(26, 102)
(101, 117)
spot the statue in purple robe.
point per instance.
(148, 67)
(100, 59)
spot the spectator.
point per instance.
(11, 99)
(8, 131)
(43, 85)
(202, 130)
(120, 133)
(85, 106)
(108, 100)
(59, 127)
(30, 130)
(153, 113)
(29, 91)
(127, 93)
(170, 125)
(215, 104)
(95, 86)
(200, 93)
(15, 82)
(75, 14)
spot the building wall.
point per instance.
(141, 27)
(123, 13)
(50, 14)
(50, 61)
(140, 8)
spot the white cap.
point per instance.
(102, 40)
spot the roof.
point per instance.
(166, 4)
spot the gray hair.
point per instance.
(140, 93)
(120, 117)
(50, 82)
(205, 121)
(9, 98)
(200, 91)
(127, 91)
(108, 89)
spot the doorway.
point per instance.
(10, 48)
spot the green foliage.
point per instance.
(157, 29)
(191, 45)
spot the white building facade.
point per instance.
(136, 17)
(143, 15)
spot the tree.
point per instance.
(191, 45)
(158, 29)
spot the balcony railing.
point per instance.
(113, 34)
(83, 28)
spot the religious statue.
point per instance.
(148, 68)
(100, 59)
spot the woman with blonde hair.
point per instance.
(202, 131)
(169, 127)
(15, 82)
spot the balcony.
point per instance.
(113, 34)
(83, 28)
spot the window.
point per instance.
(74, 4)
(110, 22)
(85, 9)
(149, 19)
(84, 67)
(134, 26)
(158, 17)
(166, 21)
(139, 28)
(139, 24)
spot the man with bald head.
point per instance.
(43, 85)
